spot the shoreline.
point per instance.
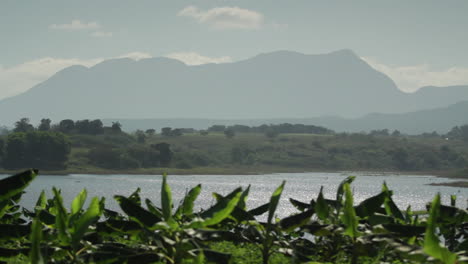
(232, 171)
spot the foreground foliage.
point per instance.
(323, 230)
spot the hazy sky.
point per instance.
(416, 43)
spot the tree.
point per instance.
(229, 133)
(166, 131)
(203, 132)
(464, 133)
(396, 133)
(176, 132)
(116, 127)
(37, 149)
(82, 126)
(15, 151)
(66, 126)
(104, 157)
(150, 132)
(217, 128)
(23, 125)
(141, 136)
(165, 153)
(96, 127)
(44, 125)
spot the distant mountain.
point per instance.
(271, 85)
(440, 120)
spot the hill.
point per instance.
(271, 85)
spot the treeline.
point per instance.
(285, 128)
(68, 126)
(35, 149)
(48, 146)
(88, 144)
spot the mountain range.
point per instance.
(277, 85)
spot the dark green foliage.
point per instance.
(66, 126)
(23, 125)
(92, 127)
(40, 149)
(326, 231)
(165, 153)
(44, 125)
(116, 127)
(169, 132)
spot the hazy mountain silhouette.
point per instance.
(271, 85)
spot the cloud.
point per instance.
(225, 17)
(411, 78)
(19, 78)
(193, 58)
(76, 25)
(136, 55)
(101, 34)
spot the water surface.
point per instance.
(408, 189)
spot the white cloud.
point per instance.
(101, 34)
(135, 55)
(76, 25)
(19, 78)
(411, 78)
(193, 58)
(225, 17)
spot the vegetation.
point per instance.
(88, 146)
(322, 231)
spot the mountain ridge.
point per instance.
(281, 83)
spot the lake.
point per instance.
(408, 189)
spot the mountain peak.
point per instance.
(344, 53)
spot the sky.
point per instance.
(416, 43)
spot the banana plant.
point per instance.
(72, 226)
(180, 233)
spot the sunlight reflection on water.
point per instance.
(408, 190)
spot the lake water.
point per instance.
(408, 189)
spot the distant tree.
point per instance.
(116, 127)
(464, 133)
(217, 128)
(141, 136)
(203, 132)
(166, 131)
(104, 157)
(383, 132)
(96, 127)
(82, 126)
(23, 125)
(150, 132)
(86, 126)
(15, 151)
(400, 157)
(147, 156)
(176, 132)
(229, 133)
(396, 133)
(66, 126)
(165, 153)
(44, 125)
(37, 149)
